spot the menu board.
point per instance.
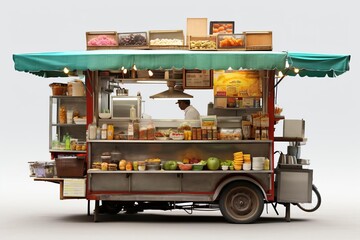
(197, 79)
(74, 187)
(242, 83)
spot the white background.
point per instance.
(329, 106)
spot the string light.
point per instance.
(296, 70)
(66, 70)
(150, 73)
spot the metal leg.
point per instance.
(96, 212)
(88, 207)
(287, 212)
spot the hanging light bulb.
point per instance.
(150, 73)
(230, 69)
(66, 70)
(134, 67)
(124, 70)
(280, 74)
(286, 64)
(296, 70)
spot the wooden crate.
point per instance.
(102, 40)
(207, 43)
(232, 42)
(258, 40)
(166, 39)
(133, 40)
(196, 27)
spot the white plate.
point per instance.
(162, 138)
(178, 138)
(80, 120)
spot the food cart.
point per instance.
(239, 193)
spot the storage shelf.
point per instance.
(67, 125)
(289, 139)
(177, 171)
(182, 141)
(68, 97)
(65, 151)
(242, 108)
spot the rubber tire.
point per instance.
(111, 207)
(313, 209)
(241, 202)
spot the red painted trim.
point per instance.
(271, 109)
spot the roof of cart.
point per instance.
(52, 64)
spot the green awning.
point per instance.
(318, 65)
(50, 64)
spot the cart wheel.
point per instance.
(110, 207)
(315, 201)
(241, 203)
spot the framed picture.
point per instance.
(222, 27)
(197, 79)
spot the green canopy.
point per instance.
(318, 65)
(52, 64)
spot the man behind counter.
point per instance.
(190, 112)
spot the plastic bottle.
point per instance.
(104, 131)
(132, 113)
(267, 164)
(110, 132)
(136, 129)
(55, 142)
(130, 130)
(92, 131)
(67, 142)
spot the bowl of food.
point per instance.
(198, 167)
(185, 166)
(105, 115)
(80, 120)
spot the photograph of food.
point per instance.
(222, 27)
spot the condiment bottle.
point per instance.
(136, 129)
(209, 133)
(267, 164)
(110, 132)
(92, 131)
(204, 133)
(132, 113)
(214, 133)
(130, 131)
(104, 131)
(67, 142)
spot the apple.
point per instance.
(213, 163)
(170, 165)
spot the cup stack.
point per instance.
(238, 160)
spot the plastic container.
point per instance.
(58, 89)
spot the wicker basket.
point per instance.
(70, 166)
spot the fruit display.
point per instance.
(132, 39)
(202, 45)
(213, 163)
(170, 165)
(185, 167)
(231, 41)
(222, 27)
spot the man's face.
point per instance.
(182, 105)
